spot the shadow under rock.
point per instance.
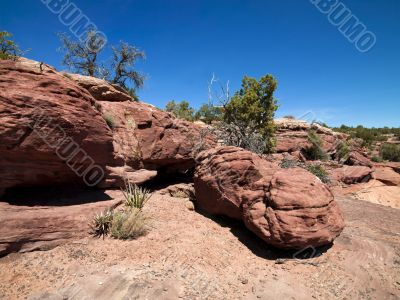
(259, 247)
(162, 180)
(53, 196)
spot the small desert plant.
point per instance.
(390, 152)
(101, 223)
(288, 163)
(320, 172)
(128, 224)
(109, 120)
(342, 151)
(377, 159)
(315, 151)
(135, 196)
(180, 194)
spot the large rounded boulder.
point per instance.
(287, 208)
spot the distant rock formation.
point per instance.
(292, 136)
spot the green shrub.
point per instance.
(135, 196)
(109, 120)
(368, 135)
(377, 159)
(128, 224)
(390, 152)
(101, 223)
(209, 113)
(254, 107)
(8, 49)
(342, 151)
(181, 110)
(315, 151)
(288, 163)
(320, 172)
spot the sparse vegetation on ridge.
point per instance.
(369, 135)
(109, 120)
(82, 57)
(8, 49)
(390, 152)
(342, 151)
(320, 172)
(315, 151)
(180, 110)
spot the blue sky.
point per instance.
(186, 41)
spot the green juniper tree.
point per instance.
(254, 106)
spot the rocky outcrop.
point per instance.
(395, 166)
(351, 174)
(288, 208)
(373, 191)
(36, 226)
(386, 175)
(358, 159)
(154, 138)
(45, 116)
(44, 119)
(100, 89)
(292, 136)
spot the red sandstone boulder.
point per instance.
(298, 211)
(395, 166)
(358, 159)
(288, 208)
(386, 175)
(42, 226)
(351, 174)
(226, 177)
(44, 118)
